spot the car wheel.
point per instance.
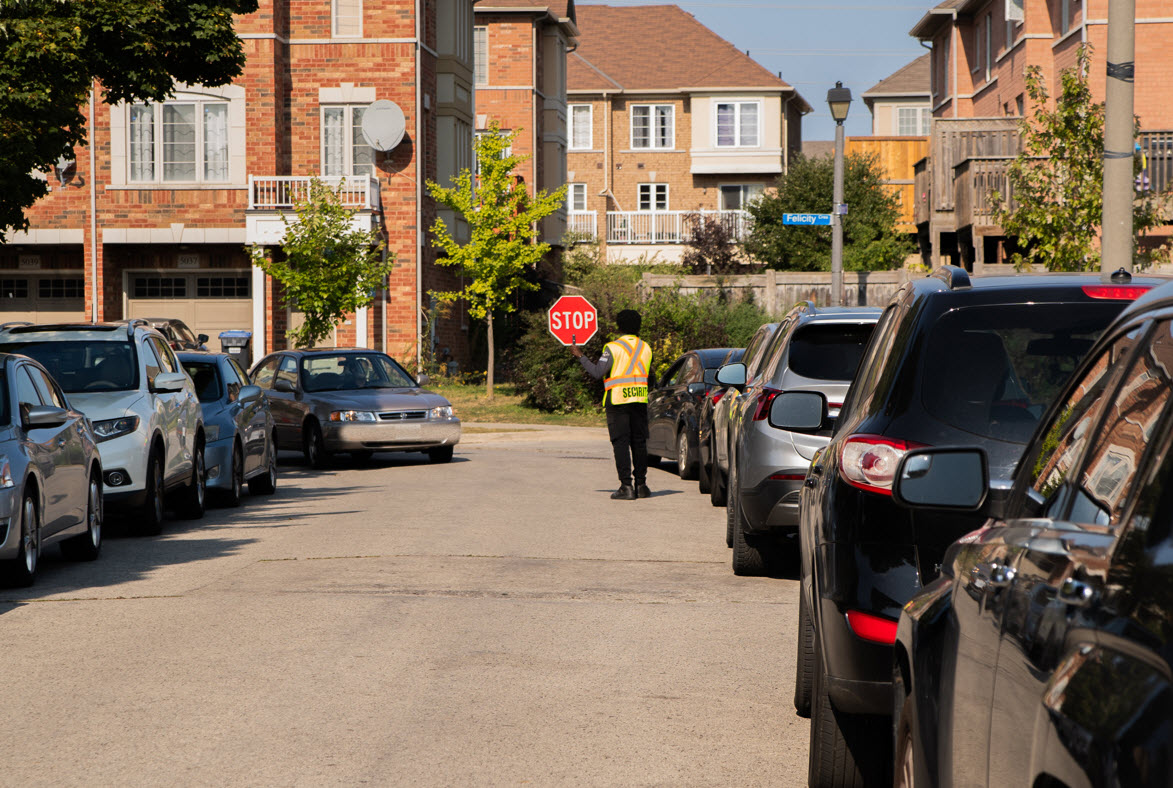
(805, 664)
(717, 489)
(315, 448)
(905, 773)
(266, 483)
(440, 454)
(846, 750)
(685, 467)
(21, 571)
(193, 502)
(236, 487)
(149, 520)
(703, 473)
(87, 546)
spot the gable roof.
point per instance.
(561, 10)
(619, 50)
(937, 16)
(911, 80)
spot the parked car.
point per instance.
(143, 407)
(50, 473)
(704, 429)
(755, 351)
(674, 408)
(1041, 655)
(814, 349)
(953, 361)
(178, 335)
(353, 400)
(238, 427)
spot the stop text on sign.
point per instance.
(573, 320)
(579, 321)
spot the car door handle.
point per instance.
(1075, 592)
(994, 575)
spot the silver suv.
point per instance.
(813, 349)
(143, 407)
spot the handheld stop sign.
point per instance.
(573, 320)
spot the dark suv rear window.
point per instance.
(828, 351)
(993, 370)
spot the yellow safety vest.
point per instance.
(628, 381)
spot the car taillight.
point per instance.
(869, 461)
(716, 395)
(763, 407)
(1114, 292)
(873, 628)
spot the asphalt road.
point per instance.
(495, 621)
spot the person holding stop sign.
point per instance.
(625, 363)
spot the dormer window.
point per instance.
(738, 124)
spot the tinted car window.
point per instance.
(828, 352)
(287, 370)
(240, 373)
(344, 372)
(84, 366)
(265, 374)
(993, 370)
(206, 377)
(26, 392)
(872, 367)
(5, 412)
(49, 393)
(166, 356)
(673, 376)
(232, 379)
(755, 349)
(151, 359)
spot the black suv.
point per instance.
(953, 361)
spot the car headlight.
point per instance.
(6, 473)
(352, 415)
(442, 412)
(106, 429)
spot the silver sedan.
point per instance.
(353, 400)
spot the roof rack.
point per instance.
(133, 323)
(955, 278)
(14, 324)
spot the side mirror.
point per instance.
(202, 339)
(798, 411)
(423, 379)
(43, 416)
(697, 389)
(732, 375)
(249, 393)
(283, 385)
(166, 382)
(950, 478)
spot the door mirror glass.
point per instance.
(283, 385)
(249, 393)
(798, 411)
(942, 479)
(732, 374)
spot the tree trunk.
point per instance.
(489, 376)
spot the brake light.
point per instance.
(869, 461)
(873, 628)
(716, 395)
(1114, 292)
(764, 399)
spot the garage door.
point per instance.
(42, 298)
(208, 301)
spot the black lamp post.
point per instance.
(839, 100)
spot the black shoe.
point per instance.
(625, 493)
(642, 491)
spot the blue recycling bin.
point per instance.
(239, 345)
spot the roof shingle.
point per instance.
(910, 80)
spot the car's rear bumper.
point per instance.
(772, 505)
(398, 436)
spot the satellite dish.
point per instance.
(383, 125)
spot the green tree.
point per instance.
(51, 51)
(1057, 179)
(329, 269)
(870, 240)
(502, 217)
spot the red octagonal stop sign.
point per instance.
(573, 321)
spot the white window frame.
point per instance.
(1064, 16)
(924, 116)
(737, 129)
(158, 146)
(590, 128)
(575, 193)
(336, 17)
(480, 55)
(748, 192)
(349, 145)
(652, 192)
(652, 117)
(989, 45)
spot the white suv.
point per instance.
(143, 406)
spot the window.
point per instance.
(49, 392)
(506, 152)
(737, 124)
(344, 151)
(578, 197)
(989, 44)
(480, 55)
(737, 197)
(153, 286)
(14, 288)
(222, 287)
(913, 121)
(266, 373)
(181, 141)
(653, 197)
(26, 392)
(346, 18)
(1064, 16)
(581, 117)
(151, 360)
(288, 370)
(652, 126)
(61, 288)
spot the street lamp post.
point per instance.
(839, 100)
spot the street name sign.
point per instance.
(807, 219)
(573, 320)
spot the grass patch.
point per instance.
(472, 404)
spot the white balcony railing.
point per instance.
(282, 192)
(583, 224)
(669, 227)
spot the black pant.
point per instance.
(627, 425)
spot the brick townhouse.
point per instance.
(156, 218)
(667, 119)
(980, 51)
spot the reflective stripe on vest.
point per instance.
(628, 381)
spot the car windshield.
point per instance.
(184, 334)
(828, 351)
(206, 376)
(84, 366)
(993, 370)
(4, 410)
(344, 372)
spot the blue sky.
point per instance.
(814, 44)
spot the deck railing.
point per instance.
(669, 227)
(583, 224)
(283, 192)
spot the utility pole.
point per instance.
(1118, 231)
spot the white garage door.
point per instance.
(42, 297)
(208, 301)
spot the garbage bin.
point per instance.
(238, 344)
